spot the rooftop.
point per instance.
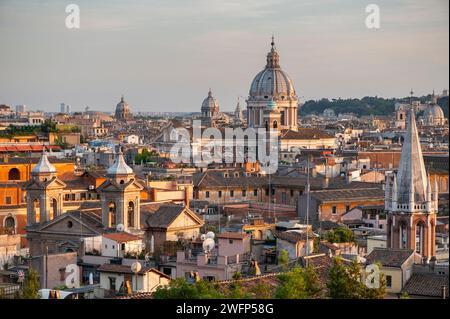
(121, 237)
(427, 285)
(389, 257)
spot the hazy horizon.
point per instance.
(165, 55)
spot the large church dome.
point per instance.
(272, 81)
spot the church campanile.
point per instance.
(411, 200)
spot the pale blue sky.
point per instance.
(163, 55)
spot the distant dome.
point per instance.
(210, 106)
(434, 115)
(43, 166)
(122, 110)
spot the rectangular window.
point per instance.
(283, 197)
(244, 193)
(230, 241)
(389, 281)
(207, 194)
(8, 200)
(292, 193)
(333, 210)
(255, 192)
(273, 191)
(112, 283)
(267, 192)
(347, 208)
(231, 193)
(219, 193)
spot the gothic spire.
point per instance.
(412, 177)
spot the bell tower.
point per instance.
(411, 200)
(120, 196)
(44, 193)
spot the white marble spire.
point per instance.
(412, 177)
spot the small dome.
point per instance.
(210, 105)
(434, 111)
(43, 166)
(120, 167)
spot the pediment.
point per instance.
(68, 225)
(186, 219)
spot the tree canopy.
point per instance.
(340, 235)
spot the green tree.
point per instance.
(283, 258)
(375, 293)
(180, 289)
(344, 282)
(236, 291)
(340, 235)
(404, 295)
(237, 275)
(298, 283)
(31, 285)
(145, 156)
(261, 291)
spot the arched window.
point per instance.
(130, 214)
(403, 236)
(419, 238)
(275, 124)
(112, 214)
(37, 210)
(14, 174)
(10, 223)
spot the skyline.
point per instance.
(155, 54)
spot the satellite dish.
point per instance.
(136, 267)
(208, 244)
(202, 236)
(210, 234)
(120, 227)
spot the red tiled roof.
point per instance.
(27, 148)
(121, 237)
(230, 235)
